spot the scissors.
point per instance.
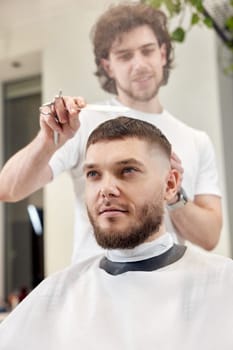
(50, 104)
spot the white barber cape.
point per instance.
(187, 304)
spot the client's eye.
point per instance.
(129, 170)
(92, 174)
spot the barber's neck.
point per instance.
(151, 106)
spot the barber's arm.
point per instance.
(199, 221)
(28, 170)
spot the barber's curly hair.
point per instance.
(123, 18)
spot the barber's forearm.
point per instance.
(201, 226)
(26, 171)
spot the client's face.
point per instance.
(125, 190)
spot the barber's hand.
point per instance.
(61, 116)
(176, 164)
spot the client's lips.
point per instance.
(111, 210)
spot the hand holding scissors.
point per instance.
(61, 117)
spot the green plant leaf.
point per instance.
(170, 6)
(177, 6)
(208, 22)
(178, 34)
(229, 23)
(155, 3)
(195, 19)
(198, 5)
(228, 70)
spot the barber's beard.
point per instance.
(147, 223)
(145, 95)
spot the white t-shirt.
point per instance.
(193, 147)
(185, 305)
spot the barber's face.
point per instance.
(136, 64)
(126, 187)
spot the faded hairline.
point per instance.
(122, 128)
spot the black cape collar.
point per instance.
(170, 256)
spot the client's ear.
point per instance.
(173, 181)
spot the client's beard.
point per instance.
(147, 223)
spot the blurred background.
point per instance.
(45, 46)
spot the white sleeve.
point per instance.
(66, 157)
(207, 181)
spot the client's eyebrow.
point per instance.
(131, 161)
(88, 166)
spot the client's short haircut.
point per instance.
(123, 127)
